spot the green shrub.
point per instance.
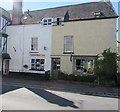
(81, 78)
(87, 78)
(117, 79)
(106, 66)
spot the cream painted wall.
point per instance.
(90, 38)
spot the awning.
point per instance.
(6, 56)
(3, 35)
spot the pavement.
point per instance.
(26, 94)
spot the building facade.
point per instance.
(76, 44)
(80, 38)
(65, 39)
(4, 56)
(30, 48)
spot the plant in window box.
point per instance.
(90, 70)
(25, 66)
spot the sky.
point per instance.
(42, 4)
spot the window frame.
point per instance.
(34, 43)
(41, 64)
(47, 21)
(84, 65)
(72, 45)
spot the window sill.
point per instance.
(37, 70)
(68, 52)
(33, 52)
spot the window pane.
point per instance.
(37, 64)
(32, 60)
(42, 61)
(49, 20)
(34, 43)
(78, 62)
(45, 20)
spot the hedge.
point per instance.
(81, 78)
(118, 79)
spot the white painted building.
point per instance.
(30, 48)
(4, 56)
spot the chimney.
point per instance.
(17, 12)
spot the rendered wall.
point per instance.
(90, 38)
(19, 45)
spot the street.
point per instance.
(48, 97)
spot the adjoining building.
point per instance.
(90, 28)
(4, 56)
(30, 48)
(63, 39)
(28, 44)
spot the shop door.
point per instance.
(55, 67)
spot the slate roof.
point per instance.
(76, 12)
(5, 14)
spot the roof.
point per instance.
(5, 14)
(79, 11)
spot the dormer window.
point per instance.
(47, 21)
(98, 14)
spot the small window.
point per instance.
(98, 14)
(37, 64)
(47, 21)
(34, 43)
(68, 44)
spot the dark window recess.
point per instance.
(58, 21)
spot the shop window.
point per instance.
(68, 44)
(37, 64)
(34, 43)
(84, 66)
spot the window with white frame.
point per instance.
(34, 43)
(37, 64)
(68, 44)
(47, 21)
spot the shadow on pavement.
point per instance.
(6, 88)
(52, 98)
